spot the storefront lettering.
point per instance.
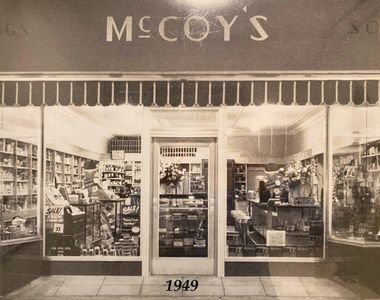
(191, 28)
(370, 27)
(13, 30)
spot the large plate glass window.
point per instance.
(275, 181)
(93, 181)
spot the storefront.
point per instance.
(150, 140)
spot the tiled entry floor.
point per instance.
(127, 287)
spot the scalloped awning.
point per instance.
(183, 93)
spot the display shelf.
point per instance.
(18, 188)
(60, 163)
(23, 213)
(240, 178)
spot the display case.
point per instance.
(65, 231)
(183, 225)
(92, 222)
(18, 189)
(112, 210)
(279, 229)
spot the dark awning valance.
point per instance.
(183, 93)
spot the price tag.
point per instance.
(276, 238)
(58, 228)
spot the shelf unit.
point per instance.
(240, 178)
(197, 180)
(65, 167)
(133, 172)
(116, 171)
(18, 188)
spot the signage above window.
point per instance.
(170, 36)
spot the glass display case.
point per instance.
(183, 225)
(92, 222)
(18, 189)
(356, 176)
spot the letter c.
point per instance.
(161, 29)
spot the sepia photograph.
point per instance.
(201, 149)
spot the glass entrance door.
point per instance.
(183, 206)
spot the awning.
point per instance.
(184, 93)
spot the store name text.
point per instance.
(190, 30)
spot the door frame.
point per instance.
(211, 262)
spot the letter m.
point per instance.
(127, 28)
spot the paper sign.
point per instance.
(54, 214)
(276, 238)
(58, 228)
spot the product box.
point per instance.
(275, 251)
(249, 251)
(192, 217)
(262, 251)
(177, 243)
(177, 216)
(303, 252)
(188, 241)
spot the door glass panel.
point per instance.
(183, 205)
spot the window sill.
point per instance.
(92, 258)
(354, 243)
(20, 241)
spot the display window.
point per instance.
(355, 189)
(92, 187)
(20, 140)
(275, 180)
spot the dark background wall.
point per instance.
(56, 35)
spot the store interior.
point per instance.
(276, 179)
(93, 172)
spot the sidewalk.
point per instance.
(127, 287)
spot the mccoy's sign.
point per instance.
(194, 28)
(189, 35)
